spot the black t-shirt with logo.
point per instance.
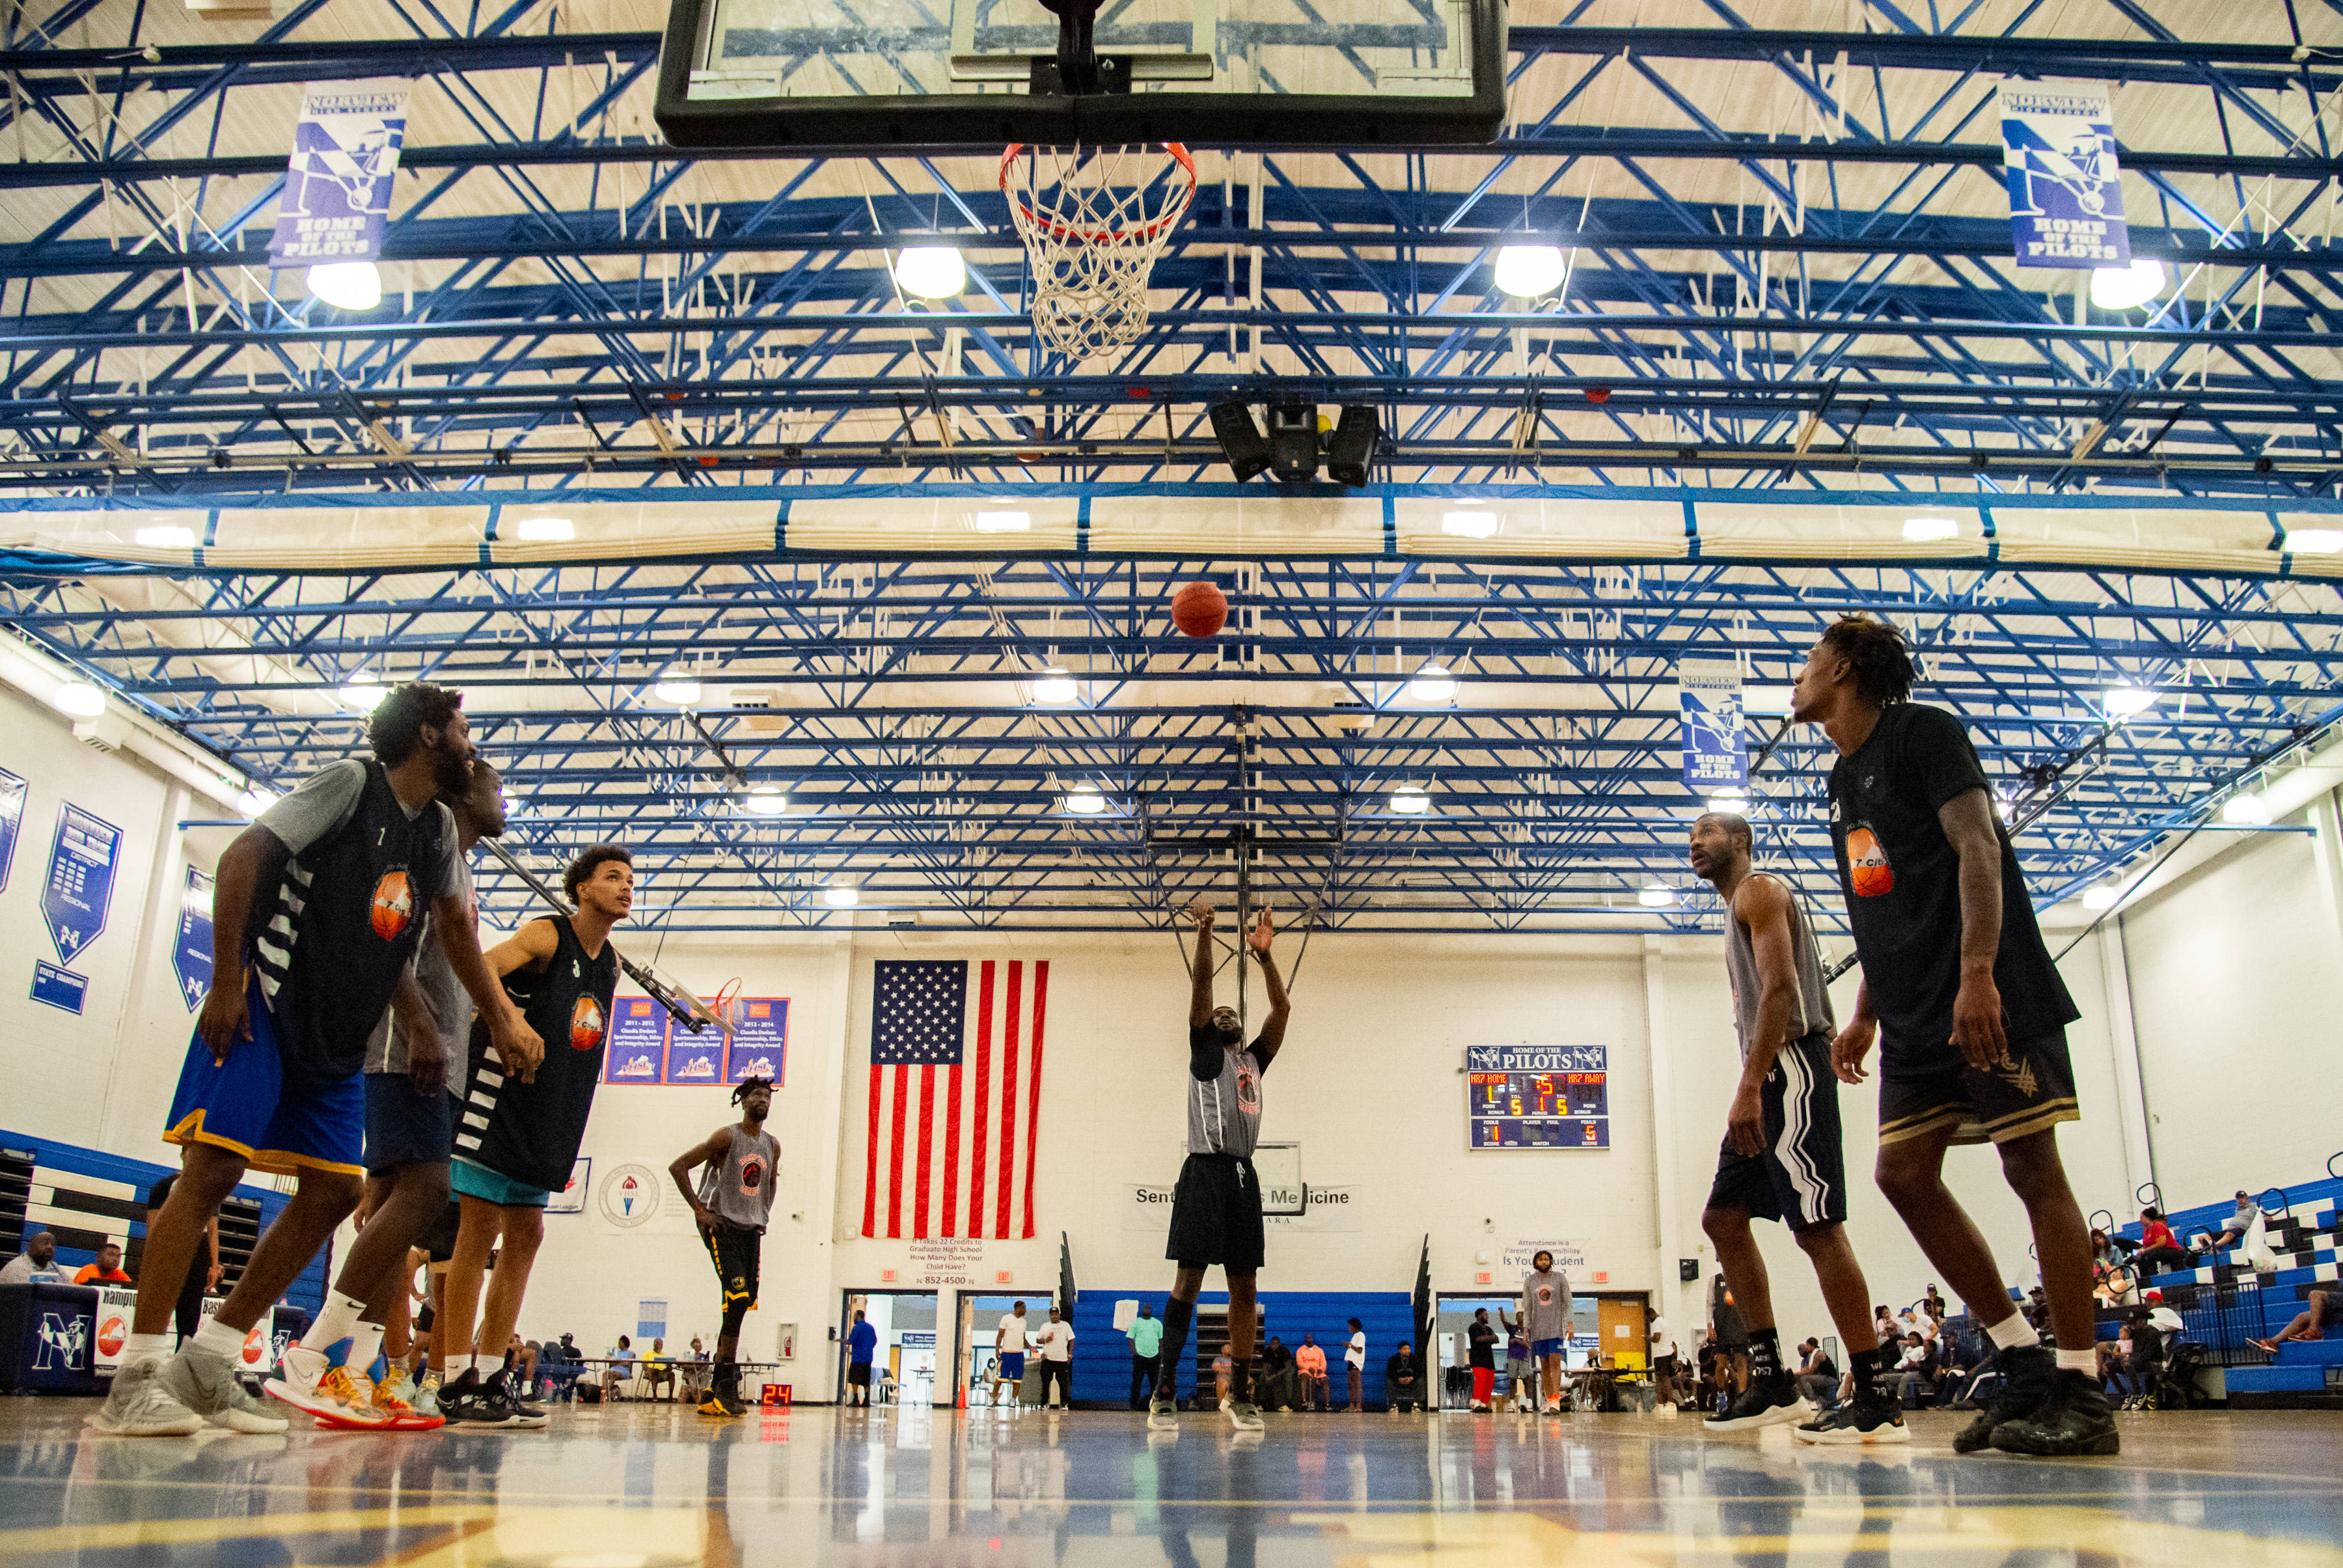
(1901, 878)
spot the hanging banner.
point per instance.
(636, 1050)
(12, 816)
(2059, 158)
(695, 1058)
(191, 955)
(760, 1028)
(336, 200)
(1716, 743)
(82, 860)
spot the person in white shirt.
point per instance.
(39, 1260)
(1056, 1340)
(1661, 1356)
(1009, 1353)
(1354, 1361)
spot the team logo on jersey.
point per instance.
(1545, 1295)
(1867, 864)
(586, 1024)
(394, 906)
(752, 1176)
(1248, 1091)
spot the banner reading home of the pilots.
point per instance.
(337, 201)
(2058, 159)
(1715, 741)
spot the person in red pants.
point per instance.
(1480, 1347)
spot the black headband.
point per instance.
(741, 1090)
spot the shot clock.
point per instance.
(1538, 1096)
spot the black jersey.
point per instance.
(343, 923)
(531, 1131)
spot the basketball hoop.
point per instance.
(1093, 222)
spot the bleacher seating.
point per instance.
(2225, 1302)
(1103, 1357)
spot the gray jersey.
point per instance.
(1810, 1008)
(449, 1003)
(1224, 1112)
(1545, 1305)
(740, 1190)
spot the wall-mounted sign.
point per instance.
(59, 989)
(83, 858)
(191, 955)
(1538, 1096)
(760, 1032)
(636, 1050)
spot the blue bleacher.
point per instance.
(1102, 1356)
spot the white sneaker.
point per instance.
(336, 1395)
(140, 1406)
(207, 1384)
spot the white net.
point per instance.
(1093, 221)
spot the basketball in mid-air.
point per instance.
(1200, 610)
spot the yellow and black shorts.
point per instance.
(2029, 1090)
(735, 1249)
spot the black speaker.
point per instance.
(1293, 441)
(1351, 449)
(1241, 442)
(1688, 1270)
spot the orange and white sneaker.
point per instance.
(336, 1395)
(392, 1398)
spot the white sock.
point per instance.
(2014, 1333)
(364, 1344)
(2079, 1361)
(338, 1321)
(145, 1347)
(217, 1338)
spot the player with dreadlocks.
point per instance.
(732, 1203)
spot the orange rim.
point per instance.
(1057, 230)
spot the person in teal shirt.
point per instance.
(1146, 1337)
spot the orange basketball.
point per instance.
(1200, 610)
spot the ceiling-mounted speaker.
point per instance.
(1293, 441)
(1351, 444)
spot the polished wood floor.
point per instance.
(646, 1486)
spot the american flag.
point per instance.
(952, 1141)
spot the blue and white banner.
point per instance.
(2058, 157)
(12, 817)
(1715, 739)
(337, 198)
(191, 955)
(82, 861)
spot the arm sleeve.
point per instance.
(318, 807)
(1203, 1053)
(1938, 758)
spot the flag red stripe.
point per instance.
(870, 1159)
(895, 1156)
(1034, 1085)
(979, 1134)
(927, 1145)
(1009, 1022)
(950, 1227)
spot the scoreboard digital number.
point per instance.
(1538, 1096)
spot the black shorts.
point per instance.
(736, 1249)
(857, 1375)
(1216, 1214)
(1801, 1178)
(439, 1241)
(404, 1128)
(2030, 1090)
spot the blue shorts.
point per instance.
(404, 1128)
(1547, 1348)
(1012, 1363)
(493, 1187)
(246, 1105)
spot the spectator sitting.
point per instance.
(1817, 1376)
(1309, 1367)
(696, 1373)
(1402, 1387)
(2233, 1226)
(1883, 1323)
(1275, 1379)
(37, 1262)
(2159, 1249)
(563, 1367)
(2320, 1309)
(1916, 1370)
(1960, 1360)
(1224, 1367)
(2036, 1309)
(106, 1270)
(658, 1371)
(521, 1364)
(621, 1367)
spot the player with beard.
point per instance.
(732, 1204)
(1216, 1207)
(410, 1134)
(517, 1137)
(318, 911)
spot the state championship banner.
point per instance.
(1715, 739)
(2058, 157)
(336, 199)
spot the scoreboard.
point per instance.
(1538, 1096)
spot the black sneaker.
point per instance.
(2071, 1421)
(506, 1390)
(469, 1402)
(2026, 1378)
(1767, 1401)
(1865, 1419)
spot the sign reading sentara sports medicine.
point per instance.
(337, 201)
(2059, 158)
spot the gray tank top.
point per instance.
(1224, 1112)
(1810, 1009)
(741, 1188)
